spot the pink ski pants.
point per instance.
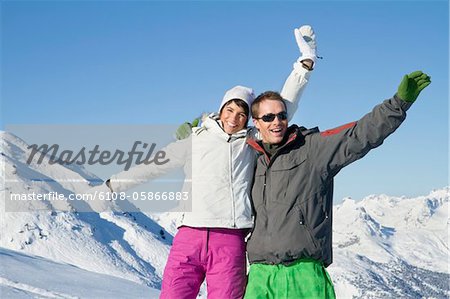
(217, 254)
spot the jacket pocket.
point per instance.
(288, 162)
(258, 188)
(313, 244)
(286, 178)
(317, 219)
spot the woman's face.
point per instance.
(233, 118)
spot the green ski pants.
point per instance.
(302, 279)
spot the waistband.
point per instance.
(228, 231)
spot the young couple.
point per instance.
(280, 187)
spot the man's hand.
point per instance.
(185, 130)
(306, 41)
(411, 86)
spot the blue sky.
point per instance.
(150, 62)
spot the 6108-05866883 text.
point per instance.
(106, 196)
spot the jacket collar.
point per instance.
(292, 133)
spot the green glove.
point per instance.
(185, 130)
(195, 122)
(411, 86)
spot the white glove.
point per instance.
(306, 41)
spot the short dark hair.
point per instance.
(267, 95)
(240, 103)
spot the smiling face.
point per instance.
(233, 118)
(271, 132)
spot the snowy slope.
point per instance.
(28, 276)
(125, 245)
(384, 246)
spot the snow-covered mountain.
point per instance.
(127, 245)
(392, 246)
(384, 246)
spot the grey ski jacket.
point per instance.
(293, 190)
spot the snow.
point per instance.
(29, 276)
(392, 245)
(129, 246)
(384, 246)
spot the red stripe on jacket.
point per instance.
(337, 130)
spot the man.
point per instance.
(291, 241)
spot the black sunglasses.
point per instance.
(267, 118)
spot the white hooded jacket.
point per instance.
(221, 166)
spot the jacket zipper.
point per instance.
(233, 205)
(264, 188)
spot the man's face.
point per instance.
(272, 132)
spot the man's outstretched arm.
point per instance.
(336, 148)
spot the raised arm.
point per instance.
(298, 78)
(336, 148)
